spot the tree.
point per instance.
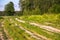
(43, 5)
(9, 9)
(40, 5)
(55, 9)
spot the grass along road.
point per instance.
(52, 20)
(49, 28)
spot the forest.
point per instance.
(37, 7)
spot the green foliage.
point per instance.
(55, 9)
(44, 6)
(28, 7)
(1, 17)
(58, 20)
(46, 19)
(36, 11)
(9, 9)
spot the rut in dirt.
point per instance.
(3, 35)
(48, 28)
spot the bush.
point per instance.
(1, 17)
(55, 9)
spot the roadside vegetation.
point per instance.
(46, 19)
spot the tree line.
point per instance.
(34, 7)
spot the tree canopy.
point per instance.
(42, 5)
(9, 9)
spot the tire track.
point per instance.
(48, 28)
(39, 37)
(6, 33)
(2, 33)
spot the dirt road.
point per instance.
(48, 28)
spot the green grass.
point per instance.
(46, 19)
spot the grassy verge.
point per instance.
(46, 19)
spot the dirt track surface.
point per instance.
(32, 34)
(38, 37)
(1, 32)
(48, 28)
